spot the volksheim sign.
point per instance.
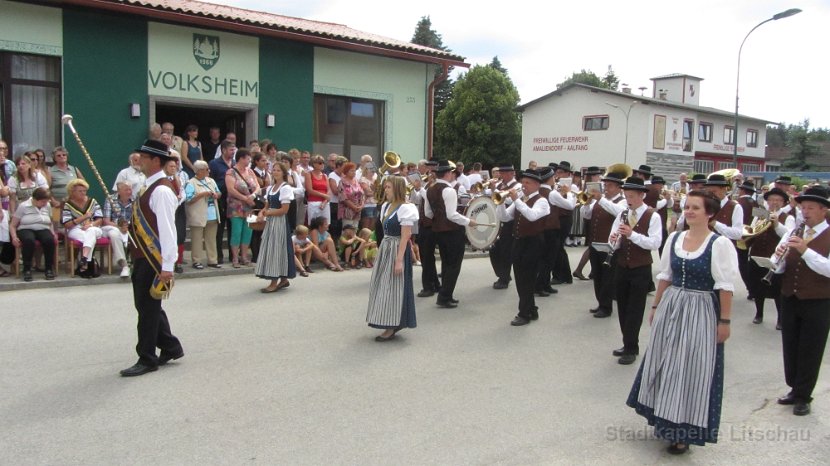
(191, 63)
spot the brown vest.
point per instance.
(147, 212)
(601, 222)
(522, 227)
(724, 215)
(747, 203)
(423, 220)
(552, 219)
(802, 281)
(764, 244)
(440, 222)
(652, 196)
(630, 255)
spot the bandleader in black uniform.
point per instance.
(153, 233)
(500, 252)
(448, 229)
(601, 213)
(805, 288)
(635, 238)
(528, 214)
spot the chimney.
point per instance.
(662, 94)
(626, 90)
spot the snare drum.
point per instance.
(483, 211)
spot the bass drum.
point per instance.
(483, 210)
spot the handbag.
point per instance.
(93, 269)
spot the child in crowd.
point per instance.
(370, 247)
(351, 247)
(322, 240)
(305, 249)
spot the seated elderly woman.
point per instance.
(118, 212)
(82, 218)
(32, 222)
(202, 195)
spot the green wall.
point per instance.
(286, 76)
(104, 70)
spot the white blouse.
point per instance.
(286, 193)
(407, 213)
(724, 260)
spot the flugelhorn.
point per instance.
(499, 197)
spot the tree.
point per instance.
(480, 123)
(583, 77)
(426, 36)
(497, 65)
(610, 80)
(801, 146)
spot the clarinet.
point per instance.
(797, 231)
(610, 257)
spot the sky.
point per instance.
(783, 63)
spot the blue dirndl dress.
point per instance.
(276, 252)
(391, 296)
(679, 386)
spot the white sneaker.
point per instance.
(125, 271)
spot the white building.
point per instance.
(669, 131)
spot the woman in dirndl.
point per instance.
(391, 294)
(679, 387)
(276, 253)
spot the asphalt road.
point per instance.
(296, 378)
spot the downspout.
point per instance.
(431, 105)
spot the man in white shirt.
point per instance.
(231, 136)
(132, 175)
(153, 261)
(448, 226)
(634, 239)
(462, 178)
(528, 211)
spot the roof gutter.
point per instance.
(217, 23)
(445, 72)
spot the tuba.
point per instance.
(390, 160)
(618, 168)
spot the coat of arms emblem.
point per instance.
(206, 50)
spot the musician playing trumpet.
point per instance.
(634, 238)
(527, 215)
(763, 245)
(153, 230)
(805, 290)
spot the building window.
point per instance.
(724, 165)
(752, 138)
(658, 139)
(704, 132)
(688, 129)
(773, 168)
(750, 167)
(595, 123)
(704, 166)
(30, 102)
(348, 126)
(729, 135)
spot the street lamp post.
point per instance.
(782, 15)
(626, 113)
